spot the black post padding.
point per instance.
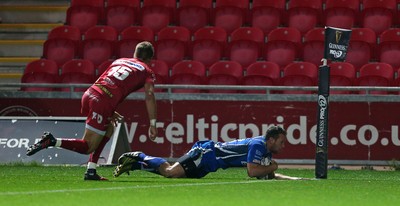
(321, 159)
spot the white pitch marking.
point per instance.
(123, 188)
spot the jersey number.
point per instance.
(119, 72)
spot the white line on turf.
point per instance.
(124, 188)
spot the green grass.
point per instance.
(57, 185)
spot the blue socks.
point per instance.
(152, 162)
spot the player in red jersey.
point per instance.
(99, 103)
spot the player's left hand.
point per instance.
(116, 118)
(153, 133)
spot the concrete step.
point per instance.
(14, 64)
(33, 13)
(33, 31)
(21, 48)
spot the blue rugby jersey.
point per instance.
(239, 152)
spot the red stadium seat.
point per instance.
(299, 74)
(361, 47)
(98, 45)
(172, 44)
(194, 14)
(190, 73)
(261, 73)
(130, 37)
(103, 67)
(121, 14)
(62, 44)
(40, 71)
(230, 14)
(304, 14)
(77, 71)
(157, 14)
(209, 45)
(341, 74)
(378, 15)
(283, 46)
(245, 45)
(342, 13)
(225, 73)
(161, 70)
(267, 14)
(85, 14)
(314, 46)
(389, 47)
(376, 74)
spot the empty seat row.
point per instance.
(210, 44)
(232, 14)
(260, 73)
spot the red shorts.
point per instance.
(98, 111)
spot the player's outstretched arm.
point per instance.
(151, 106)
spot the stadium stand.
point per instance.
(194, 14)
(376, 74)
(77, 71)
(172, 44)
(121, 14)
(209, 45)
(245, 46)
(261, 73)
(304, 14)
(341, 13)
(230, 14)
(299, 74)
(188, 72)
(40, 71)
(98, 44)
(157, 14)
(267, 15)
(283, 46)
(341, 74)
(62, 44)
(130, 37)
(224, 73)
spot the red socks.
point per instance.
(76, 145)
(94, 157)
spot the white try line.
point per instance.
(124, 188)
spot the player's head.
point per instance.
(144, 51)
(275, 138)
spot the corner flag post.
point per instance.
(336, 44)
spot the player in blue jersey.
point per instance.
(207, 156)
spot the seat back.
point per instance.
(40, 71)
(283, 45)
(157, 14)
(341, 74)
(304, 14)
(225, 73)
(314, 46)
(85, 14)
(361, 47)
(77, 71)
(342, 13)
(245, 46)
(188, 72)
(261, 73)
(172, 44)
(194, 14)
(98, 45)
(267, 15)
(130, 37)
(376, 74)
(389, 47)
(121, 14)
(230, 14)
(299, 74)
(209, 45)
(378, 15)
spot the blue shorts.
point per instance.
(200, 160)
